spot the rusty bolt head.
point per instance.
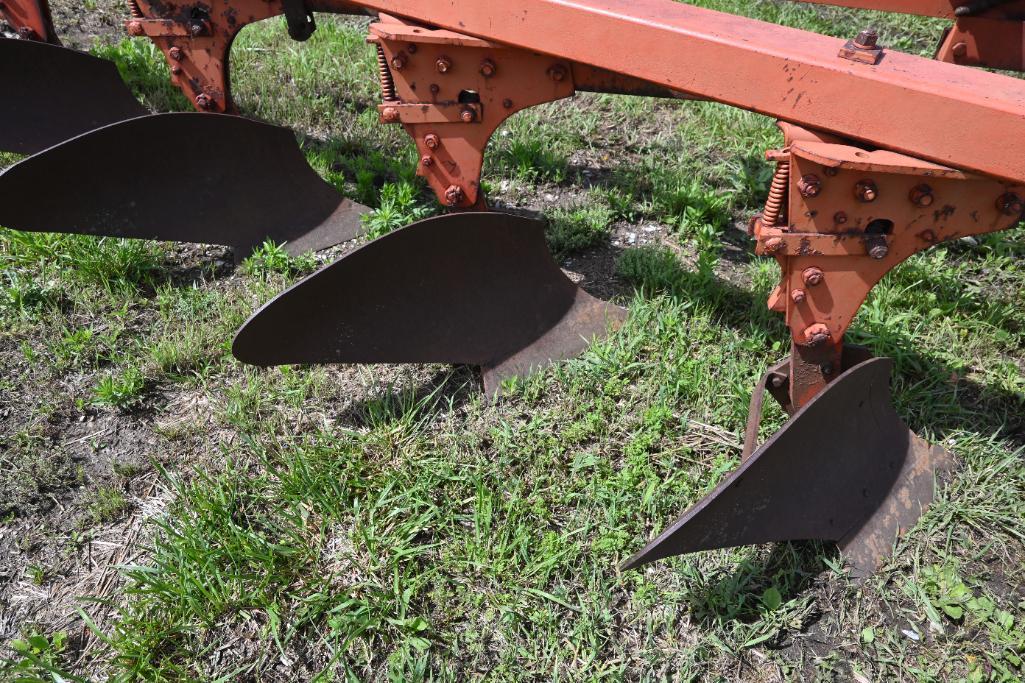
(488, 68)
(866, 191)
(816, 334)
(176, 70)
(831, 171)
(927, 235)
(390, 114)
(176, 54)
(1010, 204)
(398, 62)
(798, 296)
(960, 50)
(427, 160)
(443, 65)
(204, 101)
(412, 48)
(809, 186)
(507, 103)
(921, 195)
(197, 28)
(774, 244)
(135, 28)
(432, 141)
(812, 276)
(557, 73)
(454, 195)
(867, 39)
(468, 115)
(840, 217)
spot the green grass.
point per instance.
(381, 523)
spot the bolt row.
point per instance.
(866, 191)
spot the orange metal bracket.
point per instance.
(30, 18)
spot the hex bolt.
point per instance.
(176, 53)
(927, 235)
(197, 29)
(390, 114)
(840, 217)
(798, 296)
(774, 244)
(488, 68)
(443, 65)
(454, 195)
(467, 115)
(427, 160)
(557, 73)
(778, 381)
(1010, 204)
(809, 186)
(876, 246)
(866, 191)
(135, 28)
(826, 369)
(960, 50)
(203, 101)
(921, 195)
(816, 334)
(398, 62)
(432, 141)
(812, 276)
(867, 39)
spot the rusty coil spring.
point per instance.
(134, 9)
(777, 194)
(387, 82)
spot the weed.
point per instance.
(120, 390)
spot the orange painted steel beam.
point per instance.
(907, 104)
(30, 18)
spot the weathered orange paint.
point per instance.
(30, 18)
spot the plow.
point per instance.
(884, 155)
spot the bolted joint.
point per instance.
(558, 73)
(198, 27)
(427, 161)
(176, 54)
(443, 65)
(774, 245)
(816, 334)
(454, 195)
(866, 191)
(921, 195)
(488, 68)
(135, 28)
(1010, 204)
(797, 296)
(432, 141)
(204, 101)
(390, 114)
(468, 115)
(809, 186)
(398, 62)
(812, 276)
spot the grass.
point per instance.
(354, 523)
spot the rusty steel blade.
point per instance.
(50, 93)
(845, 468)
(468, 288)
(207, 178)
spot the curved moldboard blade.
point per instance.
(845, 468)
(473, 288)
(50, 93)
(192, 177)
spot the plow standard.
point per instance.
(884, 155)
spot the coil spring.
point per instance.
(384, 71)
(134, 9)
(777, 194)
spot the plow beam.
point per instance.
(30, 19)
(52, 93)
(468, 288)
(220, 180)
(844, 468)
